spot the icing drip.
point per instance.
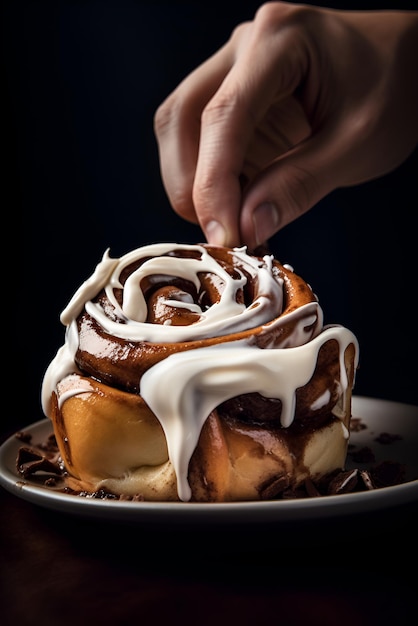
(183, 388)
(200, 380)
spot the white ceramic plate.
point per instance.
(379, 416)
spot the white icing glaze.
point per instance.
(199, 380)
(223, 317)
(185, 387)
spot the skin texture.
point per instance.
(300, 101)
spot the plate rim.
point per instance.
(224, 512)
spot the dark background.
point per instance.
(82, 80)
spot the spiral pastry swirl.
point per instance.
(163, 299)
(199, 331)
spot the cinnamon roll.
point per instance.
(199, 373)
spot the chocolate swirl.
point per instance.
(220, 331)
(164, 299)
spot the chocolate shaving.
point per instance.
(51, 482)
(388, 474)
(24, 436)
(311, 489)
(367, 480)
(356, 425)
(44, 457)
(101, 494)
(30, 462)
(364, 455)
(294, 493)
(344, 482)
(274, 488)
(138, 497)
(387, 438)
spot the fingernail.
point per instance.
(266, 221)
(215, 233)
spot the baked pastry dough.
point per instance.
(199, 373)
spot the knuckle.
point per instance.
(271, 16)
(164, 115)
(182, 204)
(238, 32)
(218, 109)
(302, 189)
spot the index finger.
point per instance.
(266, 68)
(177, 125)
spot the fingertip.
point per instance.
(215, 233)
(277, 196)
(217, 203)
(265, 222)
(259, 223)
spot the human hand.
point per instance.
(300, 101)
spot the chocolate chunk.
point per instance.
(44, 457)
(29, 461)
(311, 489)
(24, 436)
(388, 473)
(364, 455)
(138, 497)
(387, 438)
(294, 493)
(343, 482)
(367, 480)
(274, 488)
(356, 425)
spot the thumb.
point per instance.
(286, 189)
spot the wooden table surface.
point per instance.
(58, 568)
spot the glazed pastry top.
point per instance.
(190, 326)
